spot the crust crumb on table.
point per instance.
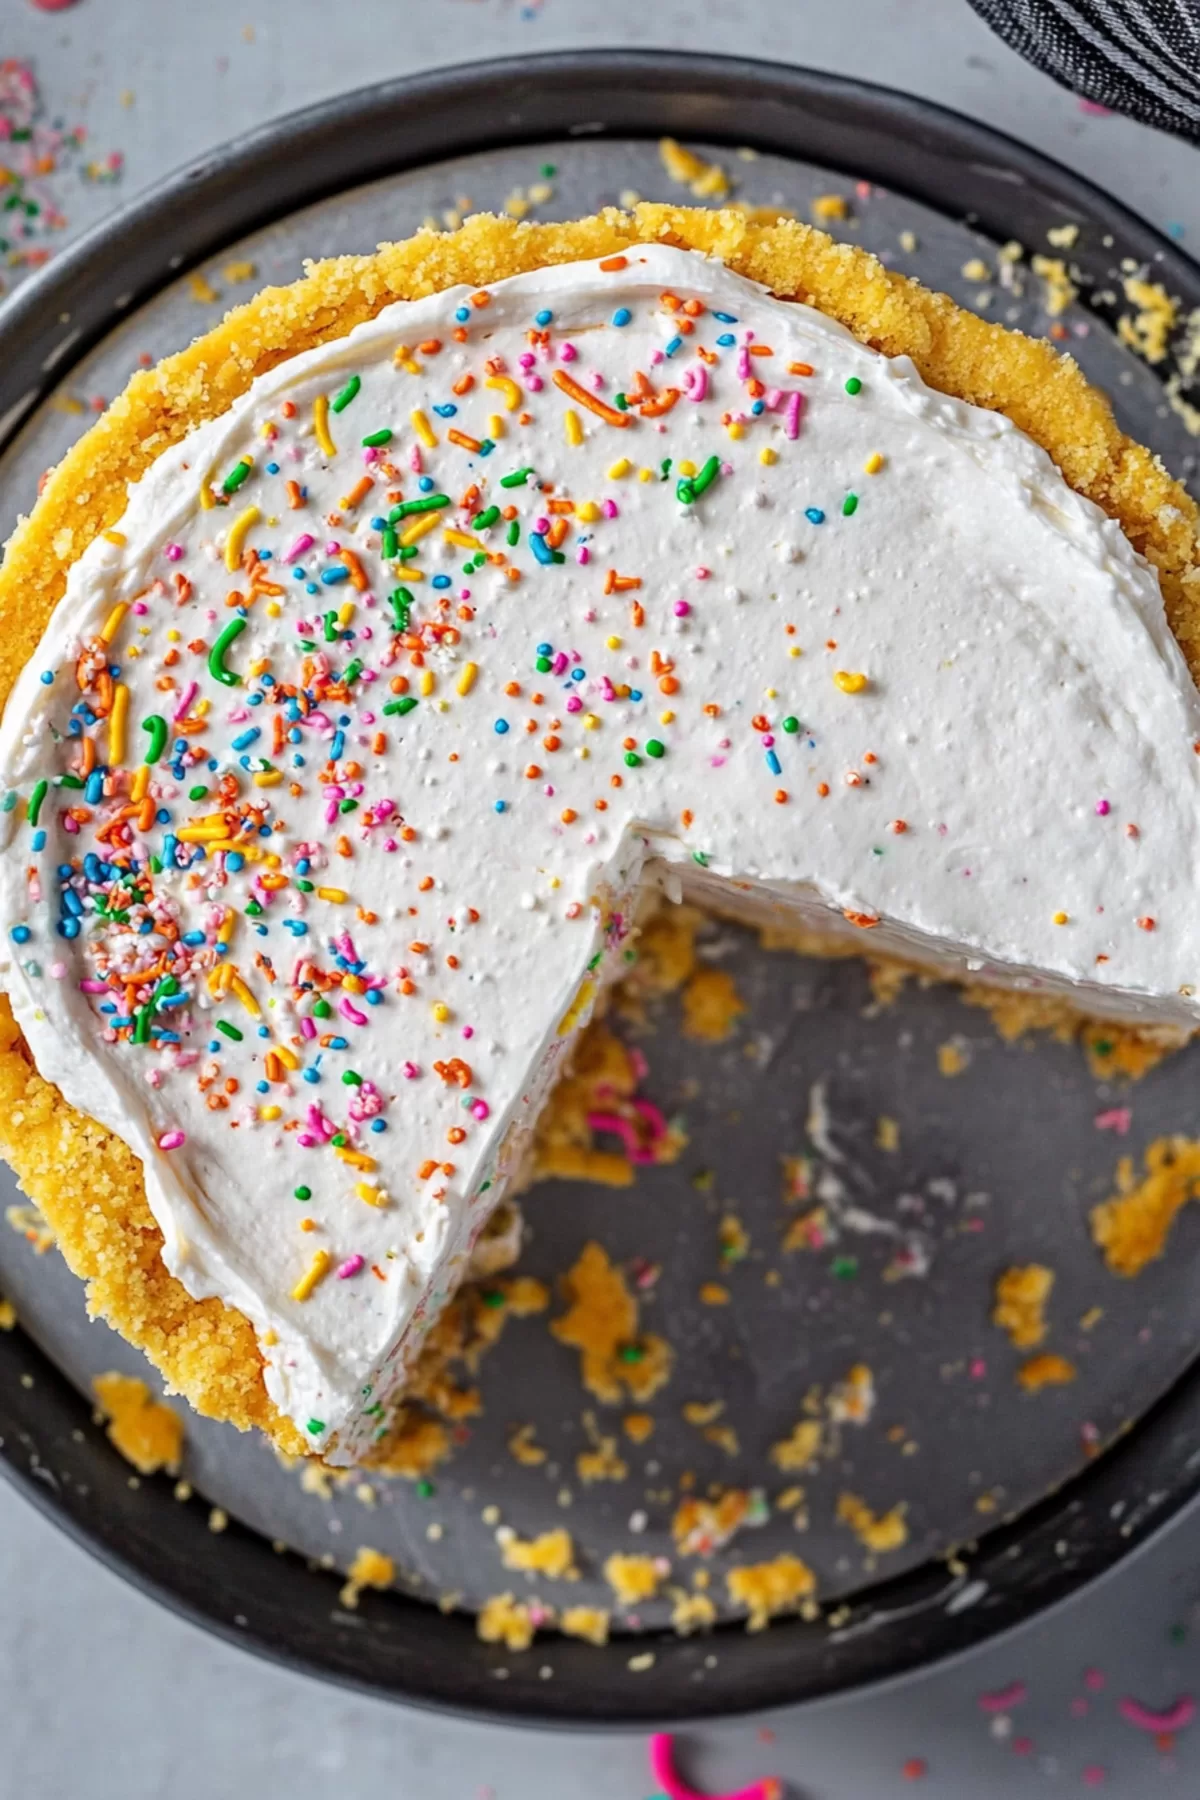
(1022, 1295)
(1047, 1370)
(551, 1554)
(800, 1449)
(587, 1622)
(148, 1434)
(602, 1324)
(877, 1532)
(87, 1183)
(503, 1619)
(370, 1569)
(1132, 1226)
(635, 1578)
(8, 1315)
(701, 1527)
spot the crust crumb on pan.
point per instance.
(87, 1183)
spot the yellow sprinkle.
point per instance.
(114, 537)
(735, 430)
(403, 358)
(316, 1272)
(590, 722)
(206, 494)
(767, 455)
(273, 609)
(355, 1158)
(467, 539)
(850, 683)
(441, 1011)
(346, 614)
(270, 1112)
(246, 997)
(795, 650)
(321, 425)
(588, 512)
(337, 895)
(421, 524)
(619, 469)
(287, 1057)
(666, 718)
(237, 536)
(226, 928)
(572, 427)
(113, 622)
(1060, 918)
(427, 683)
(268, 777)
(466, 680)
(372, 1195)
(687, 467)
(504, 384)
(219, 979)
(613, 642)
(116, 725)
(873, 463)
(645, 474)
(423, 428)
(495, 426)
(141, 781)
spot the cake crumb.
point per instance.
(701, 1527)
(587, 1622)
(704, 180)
(800, 1448)
(637, 1426)
(887, 1133)
(1022, 1295)
(1132, 1226)
(878, 1532)
(1060, 290)
(602, 1324)
(370, 1569)
(713, 1293)
(691, 1612)
(8, 1315)
(828, 209)
(523, 1448)
(953, 1057)
(1063, 237)
(201, 289)
(1148, 330)
(505, 1620)
(767, 1589)
(852, 1400)
(552, 1554)
(635, 1578)
(712, 1006)
(1047, 1370)
(146, 1432)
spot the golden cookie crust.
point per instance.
(88, 1184)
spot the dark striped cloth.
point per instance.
(1140, 57)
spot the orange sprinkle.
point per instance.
(568, 815)
(463, 441)
(780, 796)
(823, 789)
(612, 264)
(532, 772)
(463, 385)
(288, 409)
(1146, 923)
(581, 397)
(481, 299)
(800, 368)
(357, 494)
(358, 579)
(295, 497)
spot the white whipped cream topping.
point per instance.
(1012, 790)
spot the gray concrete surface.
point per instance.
(102, 1694)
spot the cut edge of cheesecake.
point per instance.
(85, 1180)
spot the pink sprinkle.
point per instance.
(609, 508)
(140, 608)
(703, 574)
(1022, 1746)
(743, 364)
(1094, 108)
(332, 547)
(173, 552)
(304, 542)
(185, 700)
(574, 703)
(977, 1368)
(1103, 809)
(480, 1109)
(172, 1140)
(681, 609)
(414, 461)
(70, 825)
(370, 454)
(526, 359)
(567, 353)
(308, 1027)
(695, 382)
(410, 1071)
(351, 1266)
(93, 987)
(1173, 1719)
(534, 383)
(791, 414)
(306, 1140)
(1094, 1679)
(1094, 1775)
(1117, 1118)
(1003, 1698)
(583, 554)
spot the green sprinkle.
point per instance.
(701, 857)
(156, 725)
(844, 1268)
(791, 724)
(216, 656)
(483, 519)
(514, 532)
(390, 544)
(253, 909)
(352, 1078)
(141, 1023)
(707, 475)
(655, 748)
(341, 401)
(322, 1009)
(426, 1489)
(493, 1297)
(303, 1193)
(353, 670)
(543, 665)
(375, 440)
(315, 1427)
(849, 505)
(331, 627)
(632, 759)
(35, 800)
(230, 1031)
(400, 707)
(199, 792)
(239, 473)
(306, 887)
(68, 781)
(427, 503)
(547, 171)
(854, 385)
(347, 806)
(408, 551)
(518, 478)
(400, 600)
(631, 1353)
(622, 402)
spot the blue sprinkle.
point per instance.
(272, 469)
(162, 816)
(262, 1087)
(578, 674)
(297, 927)
(814, 515)
(635, 693)
(675, 344)
(447, 410)
(22, 933)
(425, 483)
(725, 318)
(441, 581)
(773, 763)
(71, 903)
(462, 314)
(310, 587)
(726, 340)
(544, 317)
(501, 806)
(374, 997)
(545, 649)
(340, 1043)
(311, 1075)
(338, 745)
(193, 939)
(263, 1032)
(335, 575)
(378, 1124)
(759, 406)
(93, 791)
(39, 840)
(622, 316)
(244, 739)
(68, 928)
(378, 524)
(234, 860)
(303, 866)
(47, 677)
(299, 574)
(501, 726)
